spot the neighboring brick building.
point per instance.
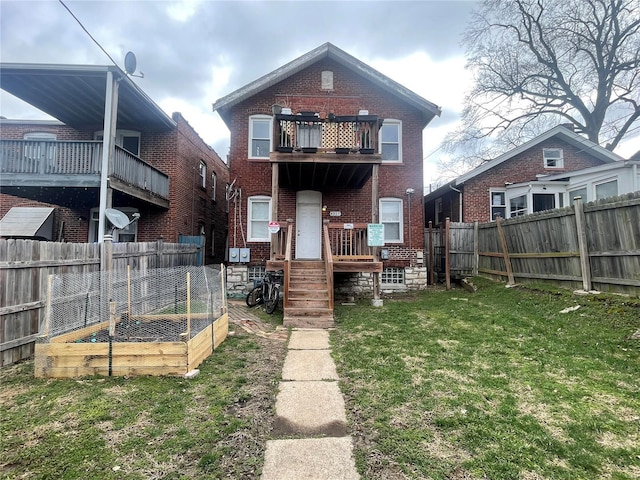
(542, 174)
(163, 170)
(327, 140)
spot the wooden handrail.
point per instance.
(328, 261)
(287, 264)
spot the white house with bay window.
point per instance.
(545, 173)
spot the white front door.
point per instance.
(308, 224)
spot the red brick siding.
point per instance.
(521, 168)
(351, 93)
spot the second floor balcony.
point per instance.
(315, 152)
(41, 164)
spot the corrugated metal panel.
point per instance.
(27, 222)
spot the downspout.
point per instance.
(636, 179)
(460, 203)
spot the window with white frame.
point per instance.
(391, 140)
(127, 139)
(203, 174)
(214, 183)
(498, 204)
(259, 136)
(518, 206)
(553, 157)
(127, 234)
(543, 201)
(606, 189)
(392, 276)
(580, 192)
(255, 272)
(259, 215)
(391, 218)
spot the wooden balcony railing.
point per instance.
(79, 158)
(309, 133)
(348, 242)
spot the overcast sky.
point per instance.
(193, 52)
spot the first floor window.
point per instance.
(127, 234)
(606, 189)
(518, 206)
(259, 214)
(544, 201)
(259, 136)
(391, 218)
(498, 204)
(580, 192)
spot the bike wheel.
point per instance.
(271, 302)
(254, 297)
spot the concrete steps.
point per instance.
(307, 305)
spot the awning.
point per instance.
(28, 222)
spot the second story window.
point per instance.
(553, 158)
(259, 136)
(203, 174)
(391, 140)
(127, 139)
(214, 181)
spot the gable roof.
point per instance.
(223, 105)
(560, 132)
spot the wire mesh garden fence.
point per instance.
(158, 305)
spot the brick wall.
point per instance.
(521, 168)
(177, 153)
(302, 92)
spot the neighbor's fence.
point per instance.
(590, 246)
(26, 264)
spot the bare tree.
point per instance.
(539, 63)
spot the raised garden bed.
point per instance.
(88, 351)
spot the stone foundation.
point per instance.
(238, 283)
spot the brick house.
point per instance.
(322, 147)
(542, 174)
(160, 167)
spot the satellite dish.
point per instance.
(130, 63)
(117, 218)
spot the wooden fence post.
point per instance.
(431, 282)
(447, 264)
(505, 251)
(585, 264)
(159, 249)
(476, 248)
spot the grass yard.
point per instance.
(210, 427)
(493, 385)
(438, 385)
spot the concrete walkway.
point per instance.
(310, 416)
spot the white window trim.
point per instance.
(214, 185)
(602, 182)
(203, 174)
(559, 161)
(492, 205)
(250, 201)
(260, 117)
(392, 121)
(120, 134)
(400, 202)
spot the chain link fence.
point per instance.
(158, 305)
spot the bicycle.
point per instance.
(267, 291)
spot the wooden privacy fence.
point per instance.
(26, 264)
(590, 246)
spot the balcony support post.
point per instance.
(108, 148)
(377, 302)
(274, 205)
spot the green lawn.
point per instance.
(497, 384)
(440, 385)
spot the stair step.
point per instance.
(308, 322)
(308, 293)
(308, 312)
(308, 303)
